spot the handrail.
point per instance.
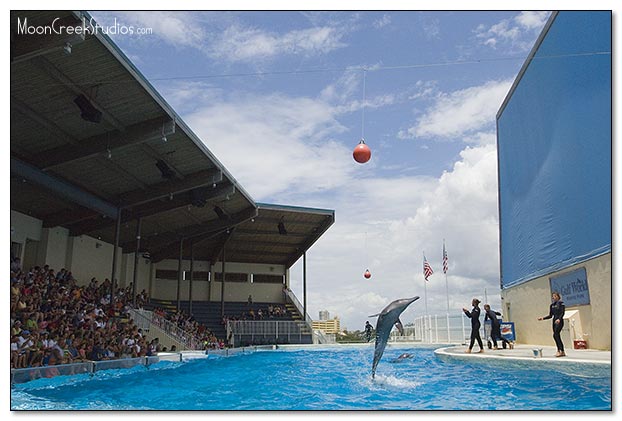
(187, 339)
(264, 327)
(296, 303)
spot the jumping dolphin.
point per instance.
(388, 317)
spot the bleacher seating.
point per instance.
(208, 313)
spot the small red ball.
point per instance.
(361, 153)
(367, 274)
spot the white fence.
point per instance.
(435, 329)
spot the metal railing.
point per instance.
(268, 329)
(145, 318)
(296, 303)
(455, 329)
(320, 337)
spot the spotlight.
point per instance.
(88, 111)
(281, 227)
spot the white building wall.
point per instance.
(532, 299)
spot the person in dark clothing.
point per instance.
(495, 328)
(475, 325)
(368, 331)
(556, 312)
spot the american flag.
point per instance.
(444, 259)
(427, 269)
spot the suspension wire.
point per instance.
(363, 107)
(342, 69)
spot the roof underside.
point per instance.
(140, 159)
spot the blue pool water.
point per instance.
(322, 379)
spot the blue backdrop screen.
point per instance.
(554, 149)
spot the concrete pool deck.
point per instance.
(526, 353)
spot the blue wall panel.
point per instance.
(554, 149)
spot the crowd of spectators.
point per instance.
(56, 321)
(271, 311)
(198, 332)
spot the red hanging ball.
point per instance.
(367, 274)
(361, 153)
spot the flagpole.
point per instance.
(447, 290)
(425, 291)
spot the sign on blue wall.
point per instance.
(573, 287)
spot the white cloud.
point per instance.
(532, 19)
(386, 224)
(284, 149)
(382, 22)
(461, 112)
(285, 140)
(517, 33)
(246, 44)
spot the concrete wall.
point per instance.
(524, 303)
(84, 256)
(53, 247)
(24, 226)
(202, 290)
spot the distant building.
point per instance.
(327, 326)
(324, 315)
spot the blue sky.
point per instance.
(279, 98)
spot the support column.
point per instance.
(222, 287)
(191, 278)
(304, 286)
(117, 233)
(180, 272)
(135, 277)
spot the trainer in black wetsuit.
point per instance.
(495, 325)
(475, 325)
(556, 312)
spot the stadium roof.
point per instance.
(91, 137)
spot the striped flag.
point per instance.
(427, 269)
(444, 259)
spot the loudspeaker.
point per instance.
(165, 170)
(88, 111)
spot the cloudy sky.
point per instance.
(282, 98)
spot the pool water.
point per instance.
(322, 379)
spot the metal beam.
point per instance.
(166, 247)
(63, 188)
(68, 217)
(212, 177)
(148, 209)
(100, 144)
(329, 220)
